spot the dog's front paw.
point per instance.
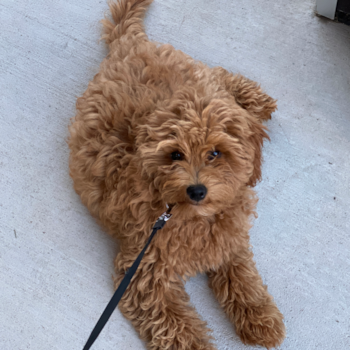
(260, 325)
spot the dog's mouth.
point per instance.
(188, 202)
(191, 203)
(188, 210)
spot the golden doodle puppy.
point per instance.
(154, 127)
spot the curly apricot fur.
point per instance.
(146, 102)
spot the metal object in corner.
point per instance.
(326, 8)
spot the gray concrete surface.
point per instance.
(56, 263)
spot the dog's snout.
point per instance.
(197, 192)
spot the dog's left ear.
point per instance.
(252, 98)
(247, 93)
(256, 142)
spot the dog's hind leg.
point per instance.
(240, 291)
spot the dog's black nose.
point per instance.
(197, 192)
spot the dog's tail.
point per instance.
(127, 17)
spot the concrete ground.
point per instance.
(56, 263)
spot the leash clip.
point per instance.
(166, 216)
(163, 218)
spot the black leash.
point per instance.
(125, 282)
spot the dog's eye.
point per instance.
(177, 155)
(214, 154)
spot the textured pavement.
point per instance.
(56, 264)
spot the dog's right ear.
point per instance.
(248, 94)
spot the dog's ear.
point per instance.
(258, 104)
(251, 134)
(248, 94)
(256, 141)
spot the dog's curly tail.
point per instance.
(127, 17)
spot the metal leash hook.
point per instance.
(161, 221)
(163, 218)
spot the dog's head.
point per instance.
(198, 152)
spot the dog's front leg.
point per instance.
(158, 306)
(240, 291)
